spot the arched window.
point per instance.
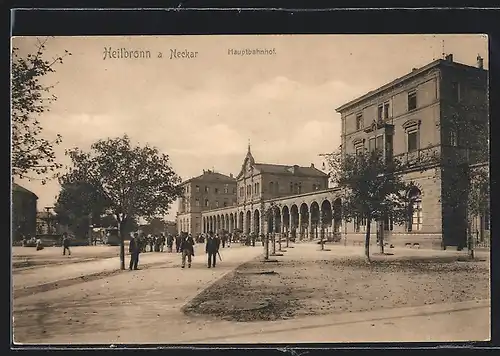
(415, 210)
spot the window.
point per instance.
(379, 142)
(197, 202)
(455, 92)
(415, 218)
(225, 203)
(291, 187)
(234, 190)
(412, 100)
(380, 112)
(226, 189)
(197, 189)
(296, 190)
(258, 188)
(207, 204)
(412, 139)
(386, 111)
(216, 203)
(371, 144)
(359, 121)
(300, 188)
(207, 190)
(453, 138)
(359, 149)
(216, 190)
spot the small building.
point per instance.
(23, 212)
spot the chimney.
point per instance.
(479, 61)
(414, 69)
(231, 175)
(312, 165)
(449, 57)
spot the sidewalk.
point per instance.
(32, 277)
(143, 306)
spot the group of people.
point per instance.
(184, 244)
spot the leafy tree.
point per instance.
(31, 98)
(154, 226)
(136, 181)
(374, 189)
(78, 205)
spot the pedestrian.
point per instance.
(151, 243)
(212, 248)
(187, 248)
(177, 243)
(223, 240)
(134, 250)
(162, 242)
(65, 243)
(170, 243)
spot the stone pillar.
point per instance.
(300, 226)
(310, 226)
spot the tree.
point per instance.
(154, 226)
(374, 189)
(136, 181)
(31, 98)
(79, 205)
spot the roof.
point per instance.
(289, 170)
(414, 73)
(211, 176)
(17, 188)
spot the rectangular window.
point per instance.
(412, 100)
(207, 190)
(291, 187)
(380, 112)
(226, 189)
(380, 142)
(417, 216)
(216, 203)
(225, 203)
(197, 189)
(412, 138)
(197, 202)
(207, 203)
(216, 190)
(386, 111)
(371, 144)
(455, 92)
(359, 121)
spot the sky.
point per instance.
(203, 111)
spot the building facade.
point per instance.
(23, 212)
(211, 190)
(415, 114)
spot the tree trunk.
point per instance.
(279, 242)
(470, 240)
(266, 247)
(321, 234)
(122, 244)
(287, 237)
(367, 239)
(274, 243)
(381, 235)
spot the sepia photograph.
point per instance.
(250, 189)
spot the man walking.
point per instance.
(212, 248)
(134, 250)
(65, 243)
(187, 248)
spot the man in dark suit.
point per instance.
(187, 248)
(212, 248)
(134, 250)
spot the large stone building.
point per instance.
(407, 117)
(211, 190)
(23, 212)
